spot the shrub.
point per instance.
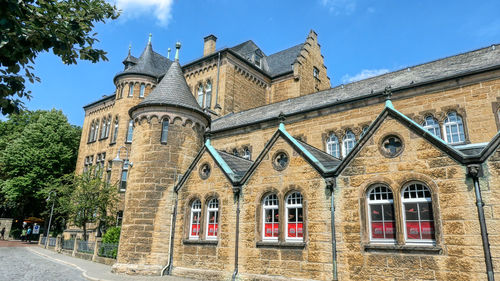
(112, 235)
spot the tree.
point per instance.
(92, 200)
(28, 27)
(36, 151)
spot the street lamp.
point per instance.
(50, 219)
(119, 160)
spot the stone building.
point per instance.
(246, 166)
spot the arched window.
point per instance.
(348, 142)
(103, 127)
(108, 126)
(194, 228)
(130, 131)
(91, 132)
(208, 94)
(96, 131)
(141, 91)
(270, 218)
(235, 152)
(417, 213)
(212, 218)
(200, 95)
(164, 131)
(332, 145)
(363, 131)
(115, 130)
(120, 92)
(131, 90)
(454, 128)
(432, 125)
(381, 214)
(294, 217)
(247, 154)
(123, 179)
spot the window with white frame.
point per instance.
(194, 225)
(123, 179)
(454, 128)
(115, 131)
(348, 142)
(315, 72)
(130, 131)
(91, 132)
(103, 127)
(432, 125)
(164, 131)
(294, 217)
(200, 95)
(131, 90)
(270, 218)
(108, 125)
(212, 218)
(141, 91)
(257, 58)
(332, 145)
(208, 94)
(380, 202)
(96, 131)
(418, 216)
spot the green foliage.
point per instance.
(29, 27)
(112, 235)
(37, 149)
(88, 198)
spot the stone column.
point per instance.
(98, 241)
(75, 247)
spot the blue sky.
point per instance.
(358, 38)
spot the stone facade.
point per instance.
(331, 231)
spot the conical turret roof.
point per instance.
(172, 90)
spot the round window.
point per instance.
(205, 171)
(280, 160)
(391, 146)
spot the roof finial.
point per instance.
(282, 117)
(168, 53)
(388, 94)
(129, 48)
(177, 47)
(149, 40)
(208, 135)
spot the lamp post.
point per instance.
(50, 219)
(119, 160)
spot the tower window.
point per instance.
(130, 131)
(164, 131)
(141, 91)
(131, 90)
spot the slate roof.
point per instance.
(237, 164)
(281, 62)
(103, 99)
(172, 90)
(445, 68)
(328, 161)
(246, 49)
(149, 63)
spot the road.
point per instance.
(19, 263)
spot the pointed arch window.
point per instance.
(164, 131)
(108, 126)
(364, 130)
(381, 214)
(120, 92)
(194, 228)
(131, 90)
(454, 128)
(130, 131)
(96, 130)
(417, 213)
(200, 95)
(103, 127)
(208, 94)
(91, 132)
(115, 130)
(212, 218)
(141, 91)
(270, 218)
(294, 217)
(348, 143)
(332, 145)
(432, 125)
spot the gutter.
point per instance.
(217, 105)
(172, 236)
(331, 184)
(237, 191)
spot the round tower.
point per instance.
(168, 133)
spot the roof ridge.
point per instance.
(294, 46)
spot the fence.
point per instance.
(86, 247)
(44, 239)
(68, 244)
(108, 250)
(52, 241)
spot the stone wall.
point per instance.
(490, 189)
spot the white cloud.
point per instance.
(364, 74)
(161, 9)
(339, 6)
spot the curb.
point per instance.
(84, 272)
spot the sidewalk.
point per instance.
(96, 271)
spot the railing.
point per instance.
(52, 241)
(108, 250)
(43, 240)
(86, 247)
(68, 244)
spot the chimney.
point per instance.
(209, 46)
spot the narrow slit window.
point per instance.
(141, 91)
(164, 131)
(208, 94)
(200, 95)
(131, 90)
(130, 131)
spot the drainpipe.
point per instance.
(168, 267)
(475, 171)
(330, 184)
(236, 191)
(217, 105)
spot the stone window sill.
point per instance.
(200, 242)
(279, 244)
(403, 249)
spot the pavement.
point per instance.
(23, 261)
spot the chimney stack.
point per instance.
(209, 46)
